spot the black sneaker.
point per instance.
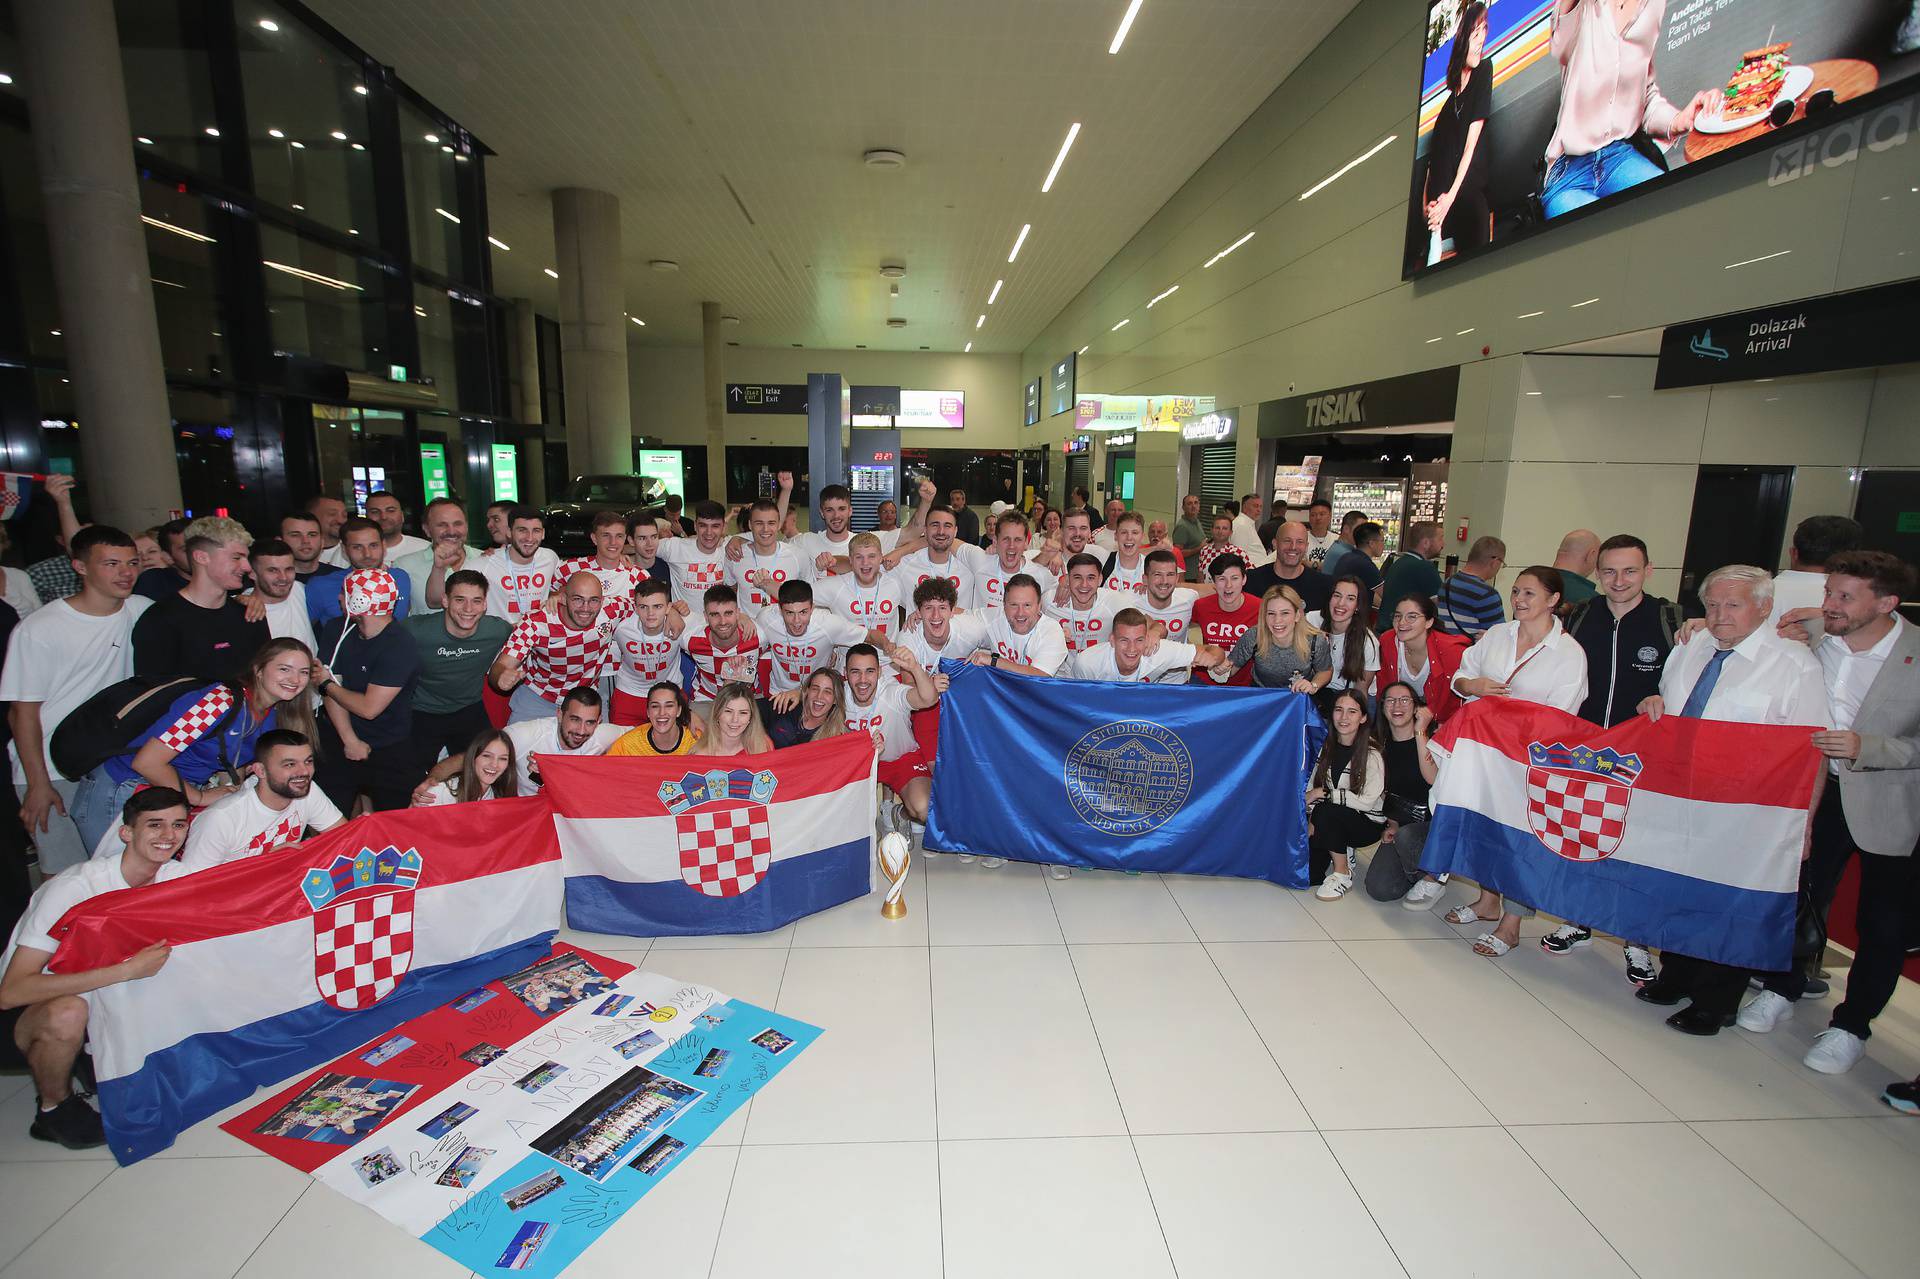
(1903, 1097)
(1566, 939)
(84, 1081)
(1640, 969)
(1817, 987)
(73, 1124)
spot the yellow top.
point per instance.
(638, 741)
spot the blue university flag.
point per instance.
(1180, 778)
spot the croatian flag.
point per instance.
(685, 844)
(1683, 834)
(284, 961)
(16, 489)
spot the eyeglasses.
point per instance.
(1396, 701)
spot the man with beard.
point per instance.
(300, 530)
(330, 513)
(577, 729)
(699, 562)
(446, 553)
(555, 650)
(274, 807)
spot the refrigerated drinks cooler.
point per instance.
(1383, 500)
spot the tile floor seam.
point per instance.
(304, 1192)
(933, 1060)
(1784, 1207)
(1562, 1192)
(1361, 1199)
(1261, 1039)
(739, 1150)
(58, 1218)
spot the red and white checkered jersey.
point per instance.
(876, 607)
(714, 666)
(966, 634)
(239, 825)
(617, 582)
(1093, 624)
(515, 590)
(642, 660)
(890, 714)
(692, 569)
(990, 583)
(1132, 579)
(782, 564)
(958, 568)
(1044, 647)
(192, 724)
(1099, 662)
(557, 659)
(794, 657)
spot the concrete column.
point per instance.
(1156, 475)
(714, 399)
(593, 339)
(83, 144)
(527, 406)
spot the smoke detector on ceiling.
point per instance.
(729, 319)
(884, 158)
(664, 265)
(895, 322)
(892, 270)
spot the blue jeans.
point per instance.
(524, 704)
(1577, 180)
(97, 802)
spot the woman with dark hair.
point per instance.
(1534, 659)
(1413, 649)
(202, 741)
(1354, 664)
(1401, 736)
(670, 728)
(1343, 801)
(489, 772)
(1455, 198)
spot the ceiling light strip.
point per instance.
(1019, 240)
(1162, 296)
(1073, 131)
(1350, 165)
(1223, 253)
(1126, 25)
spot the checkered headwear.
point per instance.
(371, 591)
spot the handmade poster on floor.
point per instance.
(511, 1127)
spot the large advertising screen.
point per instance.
(1536, 111)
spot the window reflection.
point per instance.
(307, 122)
(163, 56)
(321, 302)
(434, 216)
(181, 238)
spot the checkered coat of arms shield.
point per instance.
(723, 827)
(362, 924)
(1577, 798)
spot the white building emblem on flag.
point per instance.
(1577, 798)
(724, 829)
(362, 924)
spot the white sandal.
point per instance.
(1489, 946)
(1464, 914)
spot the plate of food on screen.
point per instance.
(1765, 76)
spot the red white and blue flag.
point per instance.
(1684, 834)
(686, 844)
(16, 489)
(283, 961)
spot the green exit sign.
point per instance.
(397, 372)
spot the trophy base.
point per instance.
(894, 910)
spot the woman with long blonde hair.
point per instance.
(1287, 651)
(733, 724)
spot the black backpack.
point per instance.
(101, 727)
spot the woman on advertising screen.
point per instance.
(1455, 199)
(1610, 106)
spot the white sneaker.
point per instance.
(1835, 1051)
(993, 863)
(1764, 1011)
(1423, 895)
(1060, 872)
(1333, 887)
(967, 858)
(890, 814)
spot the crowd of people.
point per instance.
(203, 692)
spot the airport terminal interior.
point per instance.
(1511, 269)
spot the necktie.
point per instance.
(1703, 687)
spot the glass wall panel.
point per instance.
(307, 117)
(25, 226)
(322, 302)
(434, 215)
(181, 238)
(163, 56)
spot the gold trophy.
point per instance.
(895, 857)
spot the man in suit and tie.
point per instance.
(1871, 662)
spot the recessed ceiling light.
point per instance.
(275, 133)
(550, 271)
(884, 158)
(996, 291)
(982, 320)
(359, 146)
(144, 141)
(1460, 333)
(360, 89)
(503, 247)
(211, 132)
(353, 230)
(1577, 305)
(268, 24)
(1350, 165)
(664, 266)
(729, 319)
(461, 158)
(300, 208)
(968, 348)
(338, 135)
(446, 148)
(1073, 131)
(1019, 240)
(896, 322)
(432, 137)
(1126, 24)
(298, 146)
(5, 78)
(1529, 315)
(637, 320)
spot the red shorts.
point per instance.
(629, 709)
(894, 774)
(926, 731)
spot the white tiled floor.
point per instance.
(1149, 1076)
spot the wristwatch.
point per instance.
(326, 684)
(993, 660)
